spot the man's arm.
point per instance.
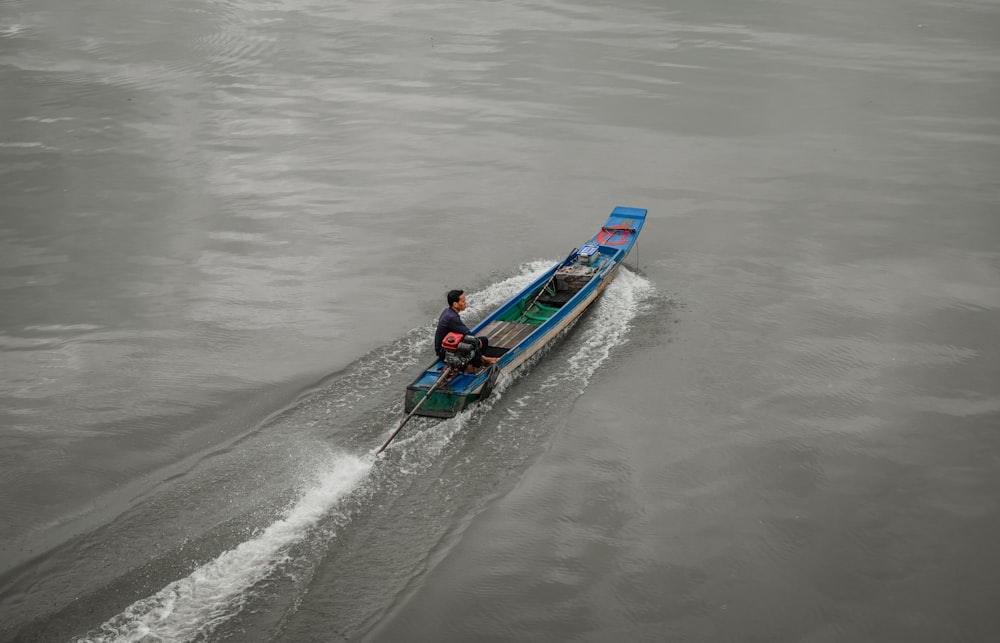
(455, 325)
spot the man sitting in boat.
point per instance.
(451, 322)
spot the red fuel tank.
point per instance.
(451, 341)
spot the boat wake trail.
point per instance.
(609, 323)
(603, 331)
(199, 605)
(195, 605)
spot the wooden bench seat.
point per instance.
(506, 334)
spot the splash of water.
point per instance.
(610, 321)
(195, 605)
(495, 294)
(605, 329)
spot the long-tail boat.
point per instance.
(527, 322)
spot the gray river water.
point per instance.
(226, 230)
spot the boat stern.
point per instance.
(443, 403)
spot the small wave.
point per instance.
(195, 605)
(14, 29)
(610, 322)
(498, 293)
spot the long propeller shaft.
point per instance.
(439, 382)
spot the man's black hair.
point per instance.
(453, 296)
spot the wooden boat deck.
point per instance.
(506, 334)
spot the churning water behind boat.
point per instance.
(239, 579)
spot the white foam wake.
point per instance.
(492, 296)
(195, 605)
(606, 329)
(610, 321)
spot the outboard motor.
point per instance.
(459, 350)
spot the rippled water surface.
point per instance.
(226, 229)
